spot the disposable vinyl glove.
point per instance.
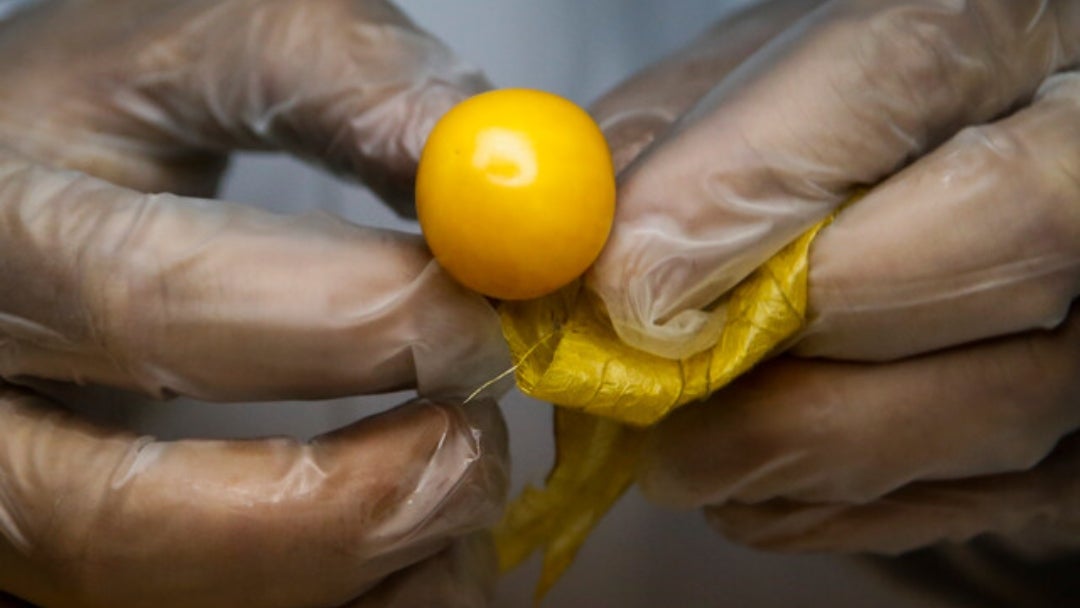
(98, 517)
(170, 294)
(976, 239)
(812, 455)
(104, 283)
(845, 97)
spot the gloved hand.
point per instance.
(377, 514)
(941, 299)
(103, 283)
(841, 100)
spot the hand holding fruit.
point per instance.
(942, 338)
(103, 281)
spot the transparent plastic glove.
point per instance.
(102, 283)
(812, 455)
(97, 517)
(153, 94)
(844, 98)
(167, 294)
(978, 238)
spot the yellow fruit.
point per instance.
(515, 192)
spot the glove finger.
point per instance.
(169, 295)
(461, 576)
(819, 431)
(1044, 499)
(980, 238)
(96, 517)
(353, 84)
(639, 109)
(843, 98)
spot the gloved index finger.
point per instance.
(353, 85)
(840, 100)
(224, 302)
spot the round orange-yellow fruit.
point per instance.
(515, 192)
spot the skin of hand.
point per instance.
(935, 392)
(114, 116)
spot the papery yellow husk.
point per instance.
(566, 352)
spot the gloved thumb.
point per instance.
(842, 99)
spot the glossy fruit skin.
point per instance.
(515, 192)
